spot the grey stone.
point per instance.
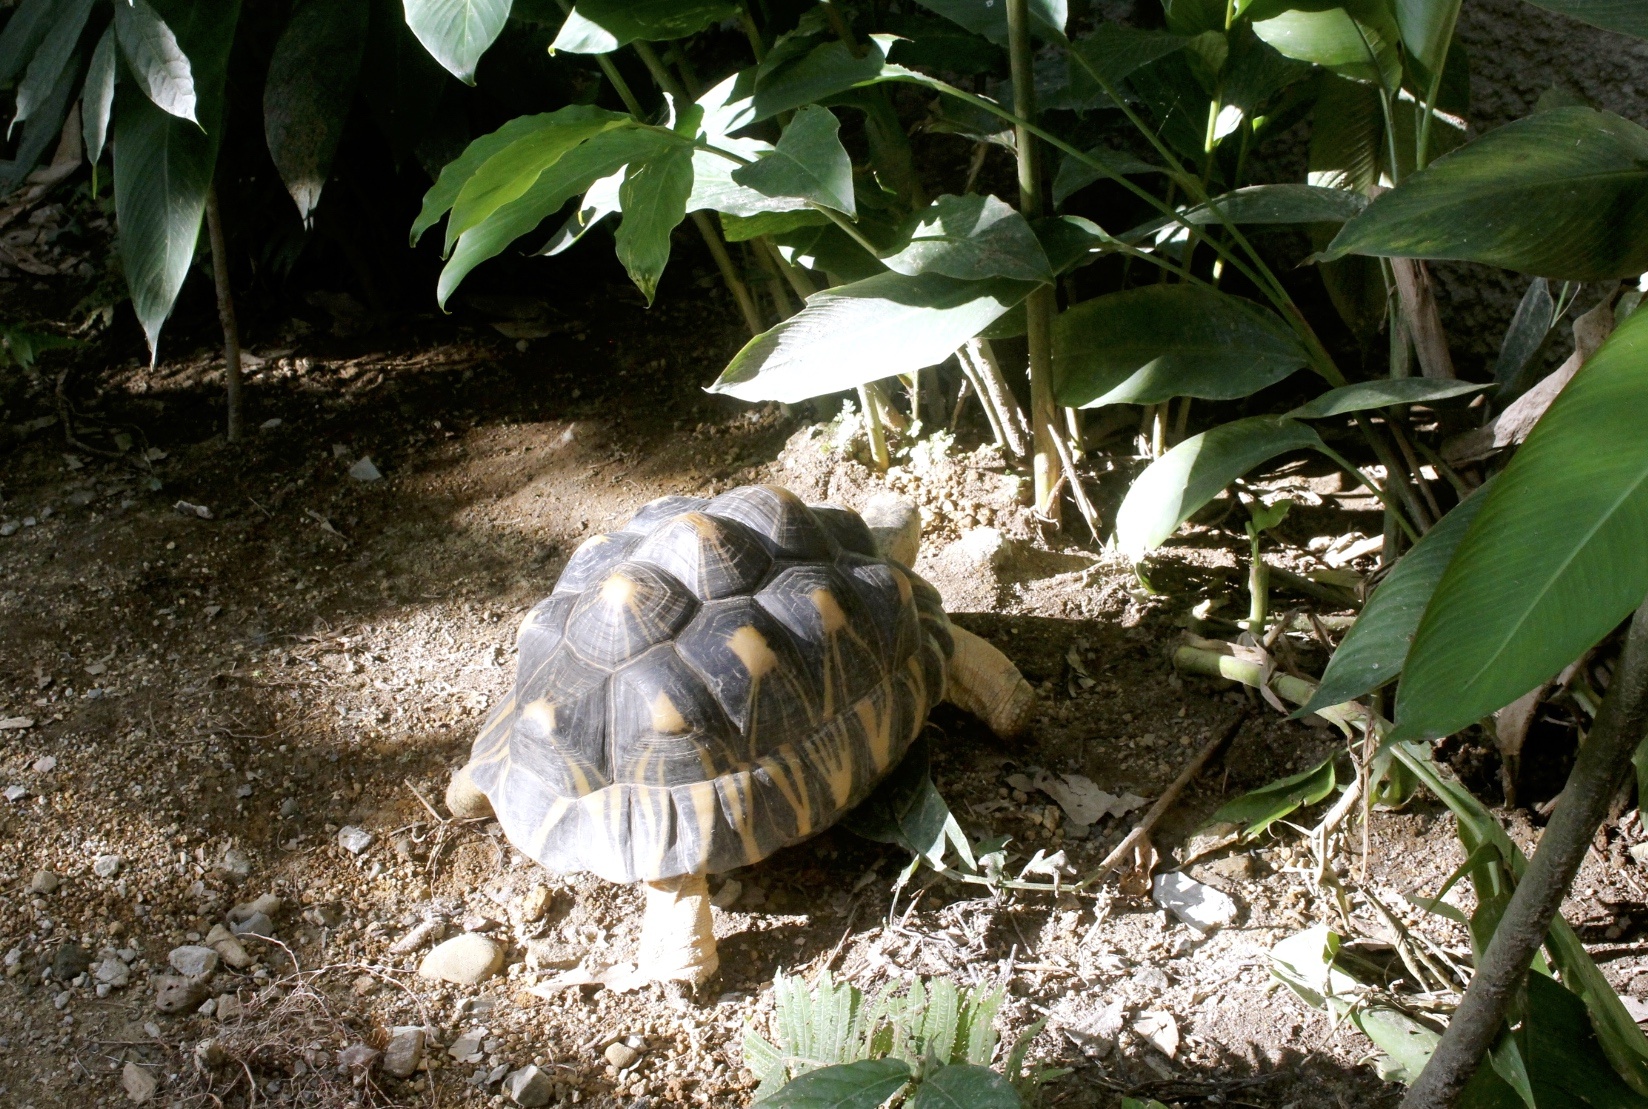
(529, 1087)
(427, 932)
(357, 1057)
(235, 864)
(365, 470)
(138, 1083)
(229, 949)
(9, 527)
(193, 960)
(176, 994)
(354, 840)
(48, 763)
(404, 1051)
(228, 1007)
(467, 1047)
(258, 924)
(463, 960)
(16, 793)
(106, 866)
(496, 1074)
(1202, 907)
(111, 971)
(44, 881)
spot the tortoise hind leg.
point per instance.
(984, 682)
(677, 936)
(464, 798)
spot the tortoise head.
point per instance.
(896, 525)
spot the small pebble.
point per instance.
(44, 881)
(529, 1087)
(138, 1083)
(193, 960)
(621, 1054)
(463, 960)
(106, 866)
(404, 1051)
(354, 840)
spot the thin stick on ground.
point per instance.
(1089, 513)
(1603, 760)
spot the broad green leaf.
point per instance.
(824, 71)
(602, 26)
(41, 131)
(605, 154)
(1565, 1062)
(456, 173)
(1069, 241)
(907, 809)
(1373, 651)
(401, 83)
(1535, 314)
(1427, 30)
(1262, 807)
(29, 24)
(1144, 345)
(1075, 174)
(512, 169)
(809, 162)
(1407, 1044)
(878, 327)
(1363, 47)
(307, 96)
(1197, 470)
(163, 163)
(989, 17)
(862, 1085)
(654, 200)
(1114, 51)
(1382, 393)
(1553, 561)
(727, 109)
(972, 237)
(97, 98)
(598, 203)
(738, 229)
(155, 57)
(1628, 17)
(1285, 203)
(940, 44)
(963, 1086)
(457, 32)
(1560, 194)
(50, 59)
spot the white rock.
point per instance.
(112, 972)
(529, 1087)
(404, 1051)
(463, 960)
(138, 1083)
(48, 764)
(15, 793)
(229, 949)
(354, 840)
(467, 1047)
(258, 924)
(365, 470)
(621, 1055)
(193, 960)
(1161, 1030)
(1202, 907)
(106, 866)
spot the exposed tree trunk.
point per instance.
(225, 312)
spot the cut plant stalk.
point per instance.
(225, 314)
(872, 424)
(1001, 408)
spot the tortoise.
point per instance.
(714, 681)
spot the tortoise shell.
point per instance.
(714, 681)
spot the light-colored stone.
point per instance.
(235, 864)
(535, 904)
(1202, 907)
(44, 881)
(529, 1087)
(404, 1051)
(354, 840)
(112, 972)
(228, 948)
(229, 1007)
(463, 960)
(621, 1055)
(365, 470)
(426, 933)
(106, 866)
(138, 1083)
(193, 960)
(258, 924)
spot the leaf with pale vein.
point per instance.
(157, 61)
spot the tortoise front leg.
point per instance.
(984, 682)
(677, 936)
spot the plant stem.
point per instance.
(978, 362)
(746, 19)
(225, 312)
(1395, 473)
(1258, 588)
(872, 423)
(1603, 760)
(1378, 491)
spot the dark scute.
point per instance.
(634, 607)
(593, 558)
(780, 704)
(561, 724)
(931, 608)
(832, 629)
(712, 557)
(786, 525)
(650, 515)
(542, 628)
(848, 528)
(667, 728)
(886, 593)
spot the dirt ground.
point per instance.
(213, 693)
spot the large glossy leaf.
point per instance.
(456, 173)
(654, 200)
(907, 809)
(1566, 1063)
(1260, 808)
(29, 24)
(862, 1085)
(1535, 314)
(939, 44)
(1364, 46)
(1285, 203)
(602, 26)
(983, 17)
(1114, 50)
(972, 237)
(1075, 174)
(163, 164)
(1197, 470)
(1561, 194)
(1629, 17)
(963, 1086)
(457, 32)
(1427, 30)
(1373, 651)
(1382, 393)
(883, 325)
(1554, 560)
(97, 98)
(42, 130)
(155, 57)
(826, 70)
(307, 96)
(808, 163)
(1144, 345)
(576, 171)
(47, 65)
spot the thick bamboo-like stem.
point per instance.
(979, 362)
(872, 423)
(225, 312)
(1424, 323)
(1603, 760)
(1040, 307)
(780, 287)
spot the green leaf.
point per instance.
(1364, 46)
(41, 131)
(738, 229)
(1196, 471)
(907, 809)
(963, 1086)
(29, 24)
(1628, 17)
(456, 173)
(457, 32)
(1554, 560)
(156, 58)
(1374, 650)
(983, 17)
(575, 172)
(972, 237)
(1075, 174)
(1382, 393)
(1427, 30)
(1263, 807)
(654, 200)
(97, 98)
(1144, 345)
(940, 44)
(1566, 1064)
(1535, 315)
(1114, 50)
(1287, 203)
(602, 26)
(163, 163)
(1561, 194)
(53, 55)
(862, 1085)
(1407, 1044)
(883, 325)
(598, 203)
(809, 162)
(510, 171)
(821, 72)
(307, 96)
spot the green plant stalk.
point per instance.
(1383, 495)
(1395, 473)
(1422, 155)
(1258, 587)
(872, 424)
(746, 19)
